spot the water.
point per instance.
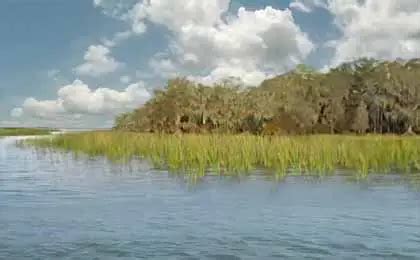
(53, 206)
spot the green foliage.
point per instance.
(23, 131)
(365, 96)
(305, 69)
(239, 154)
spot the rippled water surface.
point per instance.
(53, 206)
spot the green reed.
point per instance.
(23, 131)
(238, 154)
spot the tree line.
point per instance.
(364, 96)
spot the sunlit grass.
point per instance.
(23, 131)
(241, 154)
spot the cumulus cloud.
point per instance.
(209, 43)
(117, 38)
(78, 99)
(163, 66)
(97, 62)
(251, 77)
(298, 5)
(41, 109)
(16, 112)
(176, 14)
(257, 42)
(386, 29)
(114, 8)
(307, 6)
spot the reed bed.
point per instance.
(23, 131)
(239, 154)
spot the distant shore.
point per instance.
(241, 154)
(16, 131)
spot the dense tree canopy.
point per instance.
(365, 96)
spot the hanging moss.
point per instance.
(365, 96)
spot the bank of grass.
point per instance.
(23, 131)
(238, 154)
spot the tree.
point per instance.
(360, 122)
(361, 96)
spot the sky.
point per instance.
(80, 63)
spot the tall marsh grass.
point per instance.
(23, 131)
(237, 154)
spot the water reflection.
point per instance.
(56, 206)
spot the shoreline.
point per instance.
(23, 131)
(232, 154)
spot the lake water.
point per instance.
(53, 206)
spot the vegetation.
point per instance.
(365, 96)
(280, 125)
(238, 154)
(24, 131)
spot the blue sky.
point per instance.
(68, 63)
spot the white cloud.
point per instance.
(176, 14)
(97, 62)
(114, 8)
(307, 6)
(386, 29)
(41, 109)
(207, 43)
(16, 112)
(300, 6)
(221, 73)
(97, 2)
(117, 38)
(163, 66)
(78, 99)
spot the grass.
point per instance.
(238, 154)
(23, 131)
